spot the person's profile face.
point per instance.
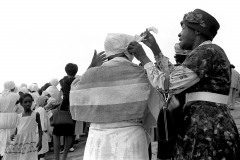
(186, 37)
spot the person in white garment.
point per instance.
(114, 97)
(234, 90)
(53, 91)
(40, 103)
(8, 114)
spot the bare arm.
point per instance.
(40, 133)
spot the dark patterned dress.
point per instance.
(207, 130)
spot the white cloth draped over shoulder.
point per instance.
(116, 133)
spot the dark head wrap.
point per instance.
(202, 22)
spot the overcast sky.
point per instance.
(39, 37)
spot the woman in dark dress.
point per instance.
(207, 130)
(65, 130)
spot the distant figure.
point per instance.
(53, 90)
(41, 102)
(65, 130)
(33, 90)
(8, 114)
(234, 90)
(23, 85)
(22, 90)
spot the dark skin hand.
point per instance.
(98, 59)
(151, 42)
(136, 49)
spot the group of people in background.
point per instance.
(25, 112)
(121, 101)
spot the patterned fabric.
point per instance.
(207, 130)
(22, 148)
(212, 66)
(181, 78)
(193, 17)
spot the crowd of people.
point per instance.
(121, 101)
(26, 132)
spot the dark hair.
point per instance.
(24, 96)
(40, 92)
(206, 37)
(71, 69)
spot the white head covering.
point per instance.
(54, 92)
(30, 87)
(23, 85)
(117, 43)
(54, 82)
(23, 90)
(33, 87)
(8, 86)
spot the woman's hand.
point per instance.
(137, 50)
(151, 42)
(98, 59)
(149, 39)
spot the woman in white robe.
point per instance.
(54, 91)
(40, 103)
(115, 98)
(8, 114)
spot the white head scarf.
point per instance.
(23, 85)
(117, 43)
(33, 87)
(54, 82)
(23, 90)
(54, 92)
(8, 86)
